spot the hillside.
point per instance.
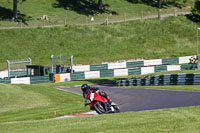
(75, 12)
(169, 37)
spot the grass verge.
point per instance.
(31, 102)
(177, 120)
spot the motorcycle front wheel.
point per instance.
(99, 107)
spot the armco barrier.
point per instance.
(134, 71)
(39, 79)
(110, 73)
(18, 73)
(121, 65)
(24, 80)
(5, 81)
(160, 80)
(135, 64)
(107, 73)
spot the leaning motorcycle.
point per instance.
(101, 105)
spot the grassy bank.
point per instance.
(170, 37)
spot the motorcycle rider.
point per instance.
(86, 89)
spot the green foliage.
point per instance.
(196, 11)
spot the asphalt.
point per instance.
(146, 99)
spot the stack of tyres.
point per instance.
(156, 80)
(173, 79)
(138, 82)
(143, 82)
(167, 79)
(123, 82)
(131, 82)
(181, 79)
(147, 81)
(161, 80)
(134, 82)
(152, 80)
(196, 80)
(189, 79)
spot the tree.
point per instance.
(100, 4)
(195, 13)
(15, 18)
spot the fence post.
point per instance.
(65, 20)
(125, 17)
(142, 14)
(43, 23)
(174, 12)
(21, 24)
(107, 20)
(86, 20)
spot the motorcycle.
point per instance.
(101, 105)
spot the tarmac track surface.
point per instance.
(146, 99)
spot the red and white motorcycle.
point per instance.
(101, 104)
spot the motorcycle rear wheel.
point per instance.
(99, 108)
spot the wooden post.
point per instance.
(107, 20)
(142, 14)
(125, 17)
(174, 12)
(21, 23)
(86, 20)
(43, 23)
(65, 20)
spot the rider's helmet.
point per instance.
(84, 87)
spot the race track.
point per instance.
(146, 99)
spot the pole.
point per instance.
(142, 14)
(107, 20)
(52, 63)
(125, 17)
(198, 67)
(197, 42)
(65, 20)
(30, 61)
(43, 23)
(8, 68)
(71, 63)
(174, 12)
(86, 20)
(21, 24)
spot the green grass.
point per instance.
(36, 8)
(29, 108)
(32, 102)
(178, 120)
(170, 37)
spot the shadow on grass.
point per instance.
(85, 7)
(7, 14)
(154, 3)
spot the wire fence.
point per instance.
(86, 20)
